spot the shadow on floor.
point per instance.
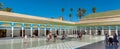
(111, 47)
(101, 45)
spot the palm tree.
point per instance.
(4, 9)
(70, 15)
(94, 9)
(62, 11)
(81, 12)
(7, 9)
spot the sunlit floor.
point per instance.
(71, 42)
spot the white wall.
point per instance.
(16, 33)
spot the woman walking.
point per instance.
(115, 40)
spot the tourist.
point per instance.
(63, 36)
(34, 36)
(57, 32)
(25, 39)
(49, 36)
(110, 40)
(115, 40)
(80, 35)
(55, 37)
(106, 38)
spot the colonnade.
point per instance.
(102, 29)
(45, 27)
(67, 29)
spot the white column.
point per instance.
(51, 28)
(116, 31)
(45, 30)
(102, 30)
(38, 30)
(31, 31)
(96, 30)
(56, 30)
(12, 31)
(22, 29)
(90, 30)
(12, 25)
(109, 30)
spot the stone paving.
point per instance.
(101, 45)
(40, 43)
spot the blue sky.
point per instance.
(52, 8)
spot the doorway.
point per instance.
(21, 33)
(47, 32)
(2, 33)
(35, 33)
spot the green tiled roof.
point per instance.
(102, 14)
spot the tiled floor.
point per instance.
(40, 43)
(100, 45)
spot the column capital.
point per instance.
(116, 26)
(38, 25)
(31, 25)
(45, 25)
(96, 27)
(90, 26)
(109, 27)
(51, 25)
(12, 24)
(64, 27)
(61, 26)
(1, 22)
(22, 25)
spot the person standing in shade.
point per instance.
(110, 40)
(78, 35)
(55, 37)
(106, 38)
(115, 40)
(50, 35)
(63, 35)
